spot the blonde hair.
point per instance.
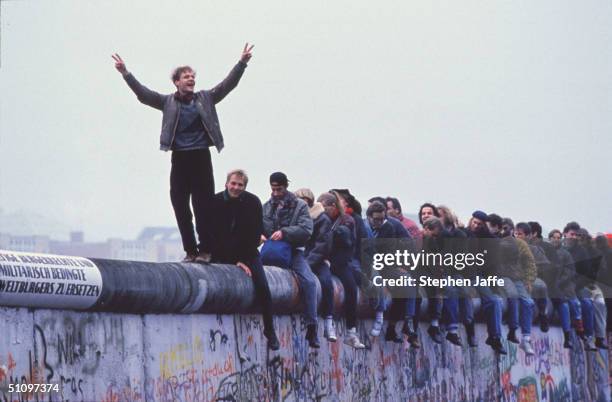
(238, 172)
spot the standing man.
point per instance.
(189, 127)
(236, 226)
(286, 218)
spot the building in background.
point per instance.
(154, 244)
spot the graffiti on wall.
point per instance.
(117, 358)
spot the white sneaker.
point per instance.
(352, 339)
(329, 331)
(377, 326)
(527, 347)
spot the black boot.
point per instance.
(273, 343)
(391, 335)
(413, 338)
(311, 336)
(496, 345)
(544, 325)
(567, 340)
(434, 333)
(471, 335)
(512, 336)
(453, 338)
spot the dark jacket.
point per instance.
(585, 269)
(236, 225)
(343, 241)
(400, 231)
(291, 218)
(565, 277)
(205, 101)
(318, 247)
(482, 242)
(516, 260)
(361, 232)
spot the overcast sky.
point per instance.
(493, 105)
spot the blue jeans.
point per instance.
(492, 308)
(540, 295)
(308, 286)
(563, 309)
(451, 307)
(466, 305)
(519, 298)
(575, 308)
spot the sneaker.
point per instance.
(273, 343)
(496, 345)
(453, 338)
(512, 336)
(391, 335)
(434, 333)
(189, 258)
(377, 327)
(544, 324)
(329, 331)
(311, 336)
(203, 258)
(352, 339)
(600, 344)
(527, 347)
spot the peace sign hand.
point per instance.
(246, 53)
(119, 64)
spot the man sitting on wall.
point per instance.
(237, 225)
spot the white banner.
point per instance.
(48, 281)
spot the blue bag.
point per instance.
(277, 253)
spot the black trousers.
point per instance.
(262, 291)
(191, 178)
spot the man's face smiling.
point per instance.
(235, 186)
(186, 82)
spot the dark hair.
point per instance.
(433, 223)
(536, 229)
(523, 227)
(601, 242)
(395, 202)
(349, 198)
(176, 73)
(571, 226)
(376, 206)
(552, 232)
(508, 222)
(495, 220)
(430, 205)
(378, 199)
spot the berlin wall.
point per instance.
(149, 353)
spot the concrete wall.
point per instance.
(127, 357)
(150, 332)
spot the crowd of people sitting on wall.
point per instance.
(319, 236)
